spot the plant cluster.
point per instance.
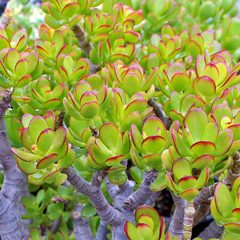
(111, 103)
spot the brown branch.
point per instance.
(80, 225)
(14, 186)
(106, 212)
(157, 109)
(141, 195)
(85, 46)
(152, 199)
(211, 231)
(202, 201)
(234, 172)
(80, 35)
(102, 231)
(176, 224)
(60, 120)
(56, 225)
(188, 221)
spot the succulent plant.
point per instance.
(84, 102)
(214, 76)
(118, 100)
(43, 96)
(151, 143)
(225, 206)
(19, 68)
(201, 139)
(45, 149)
(181, 179)
(148, 225)
(104, 153)
(131, 78)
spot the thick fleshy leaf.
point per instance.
(50, 178)
(88, 97)
(233, 227)
(89, 110)
(202, 161)
(130, 230)
(180, 82)
(172, 185)
(36, 126)
(4, 43)
(26, 167)
(154, 126)
(24, 155)
(201, 147)
(19, 40)
(136, 137)
(70, 9)
(97, 155)
(117, 178)
(93, 163)
(138, 105)
(159, 184)
(211, 132)
(109, 134)
(235, 187)
(144, 231)
(131, 36)
(132, 118)
(153, 144)
(68, 160)
(223, 142)
(47, 161)
(223, 72)
(26, 119)
(45, 140)
(205, 85)
(71, 109)
(136, 159)
(187, 182)
(102, 147)
(50, 118)
(114, 160)
(181, 168)
(194, 48)
(153, 161)
(236, 213)
(21, 67)
(211, 71)
(23, 81)
(147, 220)
(148, 211)
(223, 199)
(218, 217)
(131, 83)
(196, 121)
(180, 146)
(12, 58)
(236, 131)
(26, 139)
(203, 178)
(189, 194)
(59, 139)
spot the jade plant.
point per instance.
(106, 107)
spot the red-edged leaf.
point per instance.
(205, 85)
(202, 147)
(47, 161)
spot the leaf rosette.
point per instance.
(151, 143)
(149, 225)
(45, 149)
